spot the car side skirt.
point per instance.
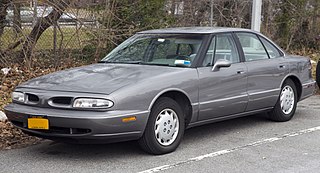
(217, 119)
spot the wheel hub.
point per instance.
(287, 100)
(166, 127)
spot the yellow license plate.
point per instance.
(38, 123)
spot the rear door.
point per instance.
(266, 70)
(222, 92)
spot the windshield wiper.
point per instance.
(143, 63)
(121, 62)
(158, 64)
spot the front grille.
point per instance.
(63, 130)
(62, 100)
(32, 98)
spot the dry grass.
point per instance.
(68, 38)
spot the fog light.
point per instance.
(128, 119)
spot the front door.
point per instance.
(222, 92)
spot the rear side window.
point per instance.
(252, 47)
(271, 49)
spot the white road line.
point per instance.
(223, 152)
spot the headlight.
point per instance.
(18, 96)
(92, 103)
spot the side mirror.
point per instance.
(221, 63)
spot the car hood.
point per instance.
(97, 78)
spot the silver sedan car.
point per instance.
(158, 83)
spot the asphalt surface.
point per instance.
(248, 144)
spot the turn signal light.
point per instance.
(128, 119)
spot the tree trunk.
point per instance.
(40, 26)
(315, 17)
(17, 18)
(3, 12)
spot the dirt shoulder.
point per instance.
(11, 137)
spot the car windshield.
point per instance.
(178, 50)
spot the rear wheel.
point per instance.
(165, 127)
(286, 104)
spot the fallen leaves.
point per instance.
(11, 137)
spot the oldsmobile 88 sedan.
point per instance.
(158, 83)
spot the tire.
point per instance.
(287, 93)
(318, 74)
(166, 115)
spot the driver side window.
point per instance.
(222, 47)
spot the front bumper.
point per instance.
(80, 126)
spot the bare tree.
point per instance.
(16, 17)
(3, 12)
(292, 24)
(40, 26)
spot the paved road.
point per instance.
(249, 144)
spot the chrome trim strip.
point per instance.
(235, 97)
(223, 99)
(217, 119)
(309, 83)
(263, 92)
(194, 104)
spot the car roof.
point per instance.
(193, 30)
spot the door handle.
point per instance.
(281, 66)
(240, 71)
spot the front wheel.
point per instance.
(286, 104)
(164, 129)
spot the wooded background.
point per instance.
(34, 32)
(38, 37)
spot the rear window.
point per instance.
(271, 49)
